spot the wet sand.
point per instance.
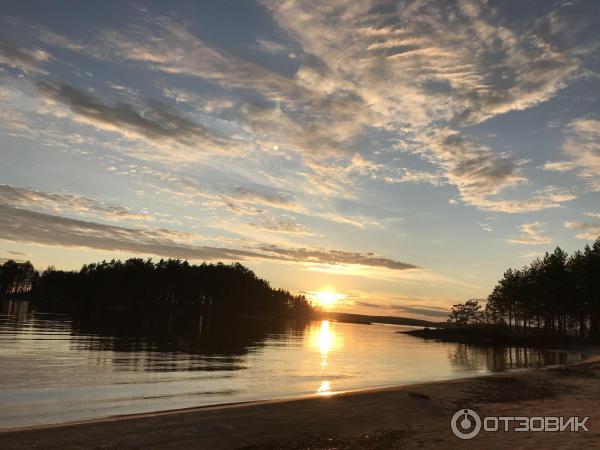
(416, 416)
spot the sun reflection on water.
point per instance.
(325, 388)
(326, 342)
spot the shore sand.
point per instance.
(415, 416)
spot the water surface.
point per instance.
(56, 367)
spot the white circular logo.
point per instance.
(465, 424)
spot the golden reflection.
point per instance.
(325, 340)
(325, 388)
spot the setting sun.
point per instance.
(327, 299)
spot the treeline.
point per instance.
(558, 293)
(17, 278)
(138, 283)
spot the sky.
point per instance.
(397, 155)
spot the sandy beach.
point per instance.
(415, 416)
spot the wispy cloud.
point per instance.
(66, 203)
(335, 257)
(274, 47)
(20, 57)
(582, 147)
(419, 70)
(419, 63)
(587, 231)
(281, 226)
(404, 305)
(152, 121)
(486, 227)
(21, 225)
(532, 234)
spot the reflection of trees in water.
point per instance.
(161, 340)
(16, 309)
(496, 359)
(182, 340)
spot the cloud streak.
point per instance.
(314, 255)
(532, 234)
(20, 197)
(582, 147)
(21, 225)
(23, 58)
(587, 231)
(152, 121)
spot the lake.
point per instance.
(57, 367)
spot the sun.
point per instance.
(327, 299)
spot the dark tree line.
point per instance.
(142, 284)
(17, 278)
(557, 293)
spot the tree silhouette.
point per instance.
(558, 294)
(468, 313)
(16, 278)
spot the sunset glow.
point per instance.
(327, 299)
(356, 166)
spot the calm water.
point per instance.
(55, 368)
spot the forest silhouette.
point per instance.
(137, 283)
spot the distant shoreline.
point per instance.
(501, 338)
(409, 416)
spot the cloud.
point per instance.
(560, 166)
(532, 234)
(274, 48)
(282, 111)
(418, 71)
(481, 175)
(49, 37)
(428, 311)
(152, 121)
(21, 225)
(425, 68)
(169, 47)
(431, 311)
(275, 199)
(20, 197)
(281, 226)
(549, 197)
(417, 176)
(23, 58)
(477, 172)
(587, 231)
(486, 227)
(317, 255)
(582, 147)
